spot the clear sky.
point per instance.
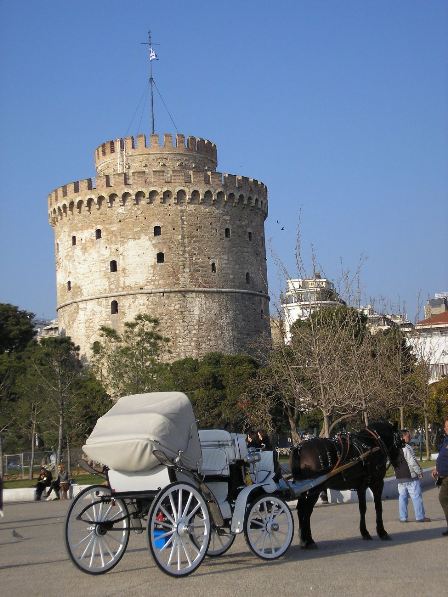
(340, 107)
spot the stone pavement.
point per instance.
(33, 560)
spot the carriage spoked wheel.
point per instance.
(179, 529)
(96, 530)
(269, 527)
(220, 542)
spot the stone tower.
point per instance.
(159, 231)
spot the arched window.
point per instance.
(98, 233)
(69, 285)
(114, 307)
(262, 314)
(227, 232)
(247, 278)
(157, 230)
(249, 235)
(160, 257)
(73, 241)
(213, 267)
(113, 266)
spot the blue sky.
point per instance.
(340, 107)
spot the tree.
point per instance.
(53, 370)
(129, 363)
(16, 332)
(16, 328)
(215, 385)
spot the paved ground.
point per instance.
(33, 560)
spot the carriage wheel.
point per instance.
(179, 529)
(96, 530)
(269, 527)
(220, 543)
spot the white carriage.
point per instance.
(196, 490)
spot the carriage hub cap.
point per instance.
(182, 528)
(272, 527)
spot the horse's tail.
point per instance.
(294, 462)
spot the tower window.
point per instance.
(114, 307)
(157, 230)
(214, 267)
(249, 235)
(69, 285)
(262, 314)
(73, 241)
(98, 233)
(113, 266)
(247, 278)
(160, 257)
(227, 232)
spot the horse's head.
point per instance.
(390, 436)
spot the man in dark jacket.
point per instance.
(441, 473)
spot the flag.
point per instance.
(152, 54)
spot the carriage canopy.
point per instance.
(125, 437)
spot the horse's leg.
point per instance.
(305, 505)
(361, 491)
(377, 490)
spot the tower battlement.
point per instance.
(123, 153)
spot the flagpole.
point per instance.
(151, 85)
(152, 56)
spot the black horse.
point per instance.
(377, 443)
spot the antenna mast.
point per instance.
(152, 56)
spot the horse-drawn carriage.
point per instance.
(196, 490)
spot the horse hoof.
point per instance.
(385, 537)
(308, 545)
(367, 537)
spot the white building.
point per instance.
(304, 296)
(429, 342)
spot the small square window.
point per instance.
(227, 232)
(114, 307)
(69, 285)
(98, 233)
(73, 241)
(160, 257)
(113, 266)
(157, 230)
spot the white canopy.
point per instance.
(125, 437)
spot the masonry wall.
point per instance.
(185, 245)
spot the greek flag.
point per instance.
(152, 54)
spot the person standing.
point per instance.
(408, 474)
(440, 473)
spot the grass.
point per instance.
(84, 479)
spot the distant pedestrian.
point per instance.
(408, 473)
(43, 481)
(61, 481)
(440, 473)
(252, 440)
(263, 438)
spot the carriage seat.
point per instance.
(220, 449)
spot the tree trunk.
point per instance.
(401, 417)
(428, 454)
(1, 455)
(326, 426)
(292, 425)
(33, 442)
(60, 436)
(69, 460)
